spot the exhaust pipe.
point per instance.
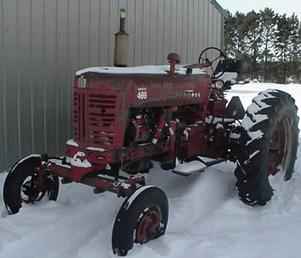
(121, 50)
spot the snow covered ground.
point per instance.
(206, 217)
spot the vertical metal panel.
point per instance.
(131, 29)
(113, 28)
(210, 31)
(69, 73)
(199, 23)
(24, 92)
(205, 24)
(185, 15)
(190, 30)
(139, 13)
(146, 36)
(153, 44)
(2, 56)
(104, 28)
(214, 26)
(35, 76)
(203, 18)
(160, 35)
(62, 50)
(167, 32)
(84, 27)
(173, 26)
(179, 25)
(42, 44)
(51, 79)
(11, 75)
(194, 26)
(219, 24)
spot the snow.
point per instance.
(73, 143)
(78, 161)
(189, 168)
(95, 149)
(229, 76)
(206, 217)
(60, 163)
(147, 69)
(134, 196)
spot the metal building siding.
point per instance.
(42, 44)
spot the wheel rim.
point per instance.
(30, 191)
(280, 151)
(35, 187)
(148, 226)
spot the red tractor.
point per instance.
(126, 118)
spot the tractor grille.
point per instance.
(101, 119)
(94, 118)
(78, 103)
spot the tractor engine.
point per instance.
(138, 132)
(139, 129)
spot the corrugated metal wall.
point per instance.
(42, 43)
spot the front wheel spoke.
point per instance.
(50, 185)
(31, 192)
(40, 196)
(26, 189)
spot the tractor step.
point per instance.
(189, 168)
(196, 166)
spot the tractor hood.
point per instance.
(147, 69)
(147, 86)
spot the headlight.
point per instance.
(82, 82)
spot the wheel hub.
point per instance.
(148, 226)
(32, 190)
(280, 147)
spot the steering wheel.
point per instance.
(213, 57)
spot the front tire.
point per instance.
(142, 217)
(269, 143)
(22, 184)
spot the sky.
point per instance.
(280, 6)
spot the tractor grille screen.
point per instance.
(94, 118)
(78, 100)
(101, 119)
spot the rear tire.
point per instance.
(142, 217)
(269, 143)
(17, 186)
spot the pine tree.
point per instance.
(253, 40)
(235, 33)
(267, 43)
(268, 23)
(294, 46)
(287, 44)
(230, 34)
